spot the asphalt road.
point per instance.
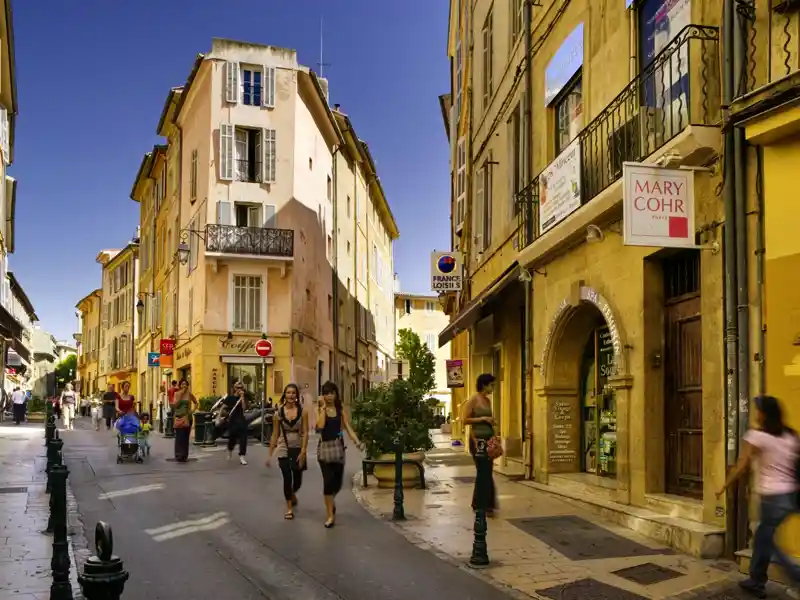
(214, 529)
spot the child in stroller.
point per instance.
(128, 433)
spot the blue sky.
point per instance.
(92, 77)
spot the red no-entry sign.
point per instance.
(263, 348)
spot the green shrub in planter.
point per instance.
(206, 402)
(36, 404)
(382, 414)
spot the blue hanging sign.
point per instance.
(153, 359)
(566, 61)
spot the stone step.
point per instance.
(687, 536)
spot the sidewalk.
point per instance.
(25, 552)
(544, 547)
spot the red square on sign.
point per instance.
(678, 227)
(167, 347)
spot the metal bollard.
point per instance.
(54, 448)
(61, 588)
(50, 428)
(209, 439)
(480, 552)
(103, 576)
(169, 429)
(398, 514)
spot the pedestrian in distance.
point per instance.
(68, 401)
(331, 423)
(18, 402)
(126, 401)
(183, 406)
(478, 414)
(96, 412)
(290, 442)
(147, 427)
(110, 405)
(234, 407)
(774, 449)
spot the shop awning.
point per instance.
(16, 347)
(474, 309)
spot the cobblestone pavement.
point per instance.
(585, 558)
(25, 551)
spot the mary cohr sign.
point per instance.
(658, 206)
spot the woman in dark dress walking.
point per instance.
(110, 399)
(183, 405)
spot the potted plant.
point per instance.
(392, 414)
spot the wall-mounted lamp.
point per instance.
(183, 247)
(140, 303)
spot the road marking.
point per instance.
(130, 491)
(168, 532)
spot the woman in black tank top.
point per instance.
(331, 423)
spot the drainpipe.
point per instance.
(527, 325)
(742, 273)
(761, 341)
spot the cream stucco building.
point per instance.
(424, 315)
(262, 215)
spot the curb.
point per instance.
(423, 545)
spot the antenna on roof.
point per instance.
(321, 64)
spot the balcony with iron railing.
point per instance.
(678, 92)
(250, 241)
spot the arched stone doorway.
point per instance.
(585, 378)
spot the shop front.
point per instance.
(213, 361)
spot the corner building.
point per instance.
(609, 358)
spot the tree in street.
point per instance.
(422, 364)
(66, 370)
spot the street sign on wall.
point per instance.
(658, 206)
(153, 359)
(446, 271)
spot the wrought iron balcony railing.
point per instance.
(677, 89)
(257, 241)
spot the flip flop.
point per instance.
(289, 516)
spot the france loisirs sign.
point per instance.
(446, 271)
(658, 206)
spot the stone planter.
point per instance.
(37, 417)
(385, 473)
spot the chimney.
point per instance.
(336, 106)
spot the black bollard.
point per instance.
(61, 588)
(160, 418)
(50, 428)
(103, 576)
(54, 448)
(210, 439)
(398, 514)
(169, 430)
(480, 553)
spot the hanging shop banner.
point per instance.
(658, 206)
(560, 187)
(566, 61)
(166, 361)
(167, 347)
(446, 271)
(153, 359)
(455, 373)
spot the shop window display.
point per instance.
(598, 406)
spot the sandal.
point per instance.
(289, 516)
(329, 523)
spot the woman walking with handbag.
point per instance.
(331, 423)
(183, 405)
(290, 442)
(483, 444)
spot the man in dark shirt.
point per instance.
(235, 405)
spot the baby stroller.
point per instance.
(128, 432)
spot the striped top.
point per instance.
(289, 432)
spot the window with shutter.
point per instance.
(193, 175)
(226, 147)
(269, 87)
(487, 201)
(223, 213)
(232, 82)
(270, 156)
(477, 211)
(269, 216)
(247, 295)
